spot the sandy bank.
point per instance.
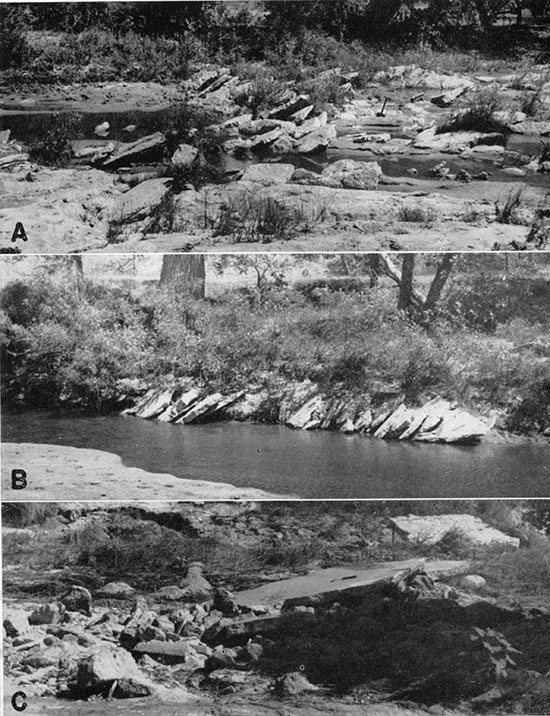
(58, 472)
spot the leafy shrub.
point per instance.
(478, 116)
(507, 213)
(417, 214)
(61, 346)
(54, 149)
(258, 218)
(12, 36)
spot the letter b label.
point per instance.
(18, 479)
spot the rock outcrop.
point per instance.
(303, 406)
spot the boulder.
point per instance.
(101, 669)
(152, 404)
(293, 684)
(309, 178)
(248, 406)
(16, 622)
(47, 614)
(142, 151)
(141, 201)
(430, 529)
(78, 599)
(310, 125)
(363, 421)
(350, 174)
(262, 141)
(532, 126)
(289, 108)
(224, 602)
(295, 396)
(207, 407)
(316, 141)
(301, 115)
(184, 156)
(454, 142)
(169, 652)
(241, 630)
(91, 152)
(181, 404)
(458, 426)
(44, 657)
(396, 424)
(267, 174)
(472, 581)
(196, 586)
(102, 130)
(116, 590)
(309, 415)
(152, 633)
(447, 98)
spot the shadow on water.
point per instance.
(316, 464)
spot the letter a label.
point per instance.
(19, 232)
(18, 479)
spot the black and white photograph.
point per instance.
(277, 608)
(275, 357)
(309, 125)
(267, 375)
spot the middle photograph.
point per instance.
(266, 376)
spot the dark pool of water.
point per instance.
(31, 126)
(317, 464)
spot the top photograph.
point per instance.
(349, 125)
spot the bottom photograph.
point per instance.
(389, 608)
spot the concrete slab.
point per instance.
(327, 584)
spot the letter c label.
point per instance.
(16, 704)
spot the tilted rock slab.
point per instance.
(325, 585)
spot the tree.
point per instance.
(267, 269)
(412, 301)
(186, 271)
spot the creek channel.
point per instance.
(31, 126)
(310, 464)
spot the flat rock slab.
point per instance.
(328, 583)
(59, 472)
(431, 529)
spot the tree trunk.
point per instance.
(440, 279)
(388, 267)
(406, 302)
(186, 271)
(374, 270)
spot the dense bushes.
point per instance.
(139, 41)
(66, 346)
